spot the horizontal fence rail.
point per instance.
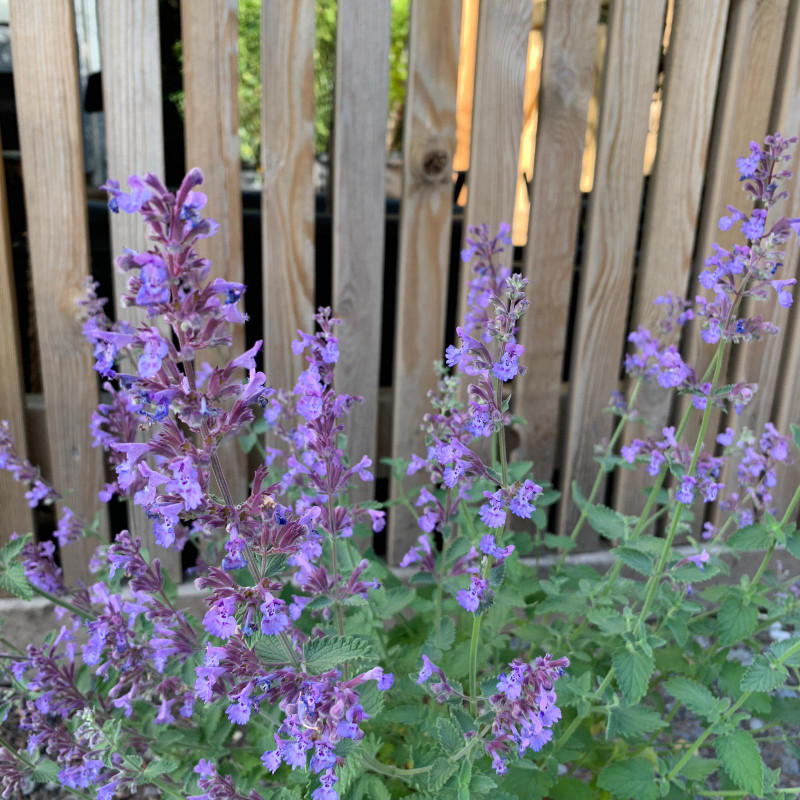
(633, 112)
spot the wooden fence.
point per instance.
(723, 71)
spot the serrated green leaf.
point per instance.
(271, 651)
(736, 621)
(450, 737)
(328, 652)
(371, 698)
(558, 542)
(392, 601)
(46, 771)
(697, 698)
(698, 768)
(318, 602)
(780, 650)
(441, 770)
(447, 635)
(607, 522)
(750, 538)
(740, 758)
(480, 785)
(635, 559)
(633, 669)
(345, 746)
(158, 767)
(632, 722)
(793, 544)
(275, 565)
(13, 580)
(764, 675)
(634, 778)
(12, 549)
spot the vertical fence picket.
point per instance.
(497, 115)
(132, 112)
(359, 131)
(134, 145)
(673, 198)
(634, 48)
(570, 32)
(786, 119)
(429, 143)
(287, 200)
(759, 362)
(16, 514)
(48, 114)
(210, 30)
(747, 77)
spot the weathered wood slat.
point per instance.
(570, 32)
(744, 100)
(786, 119)
(134, 145)
(48, 114)
(497, 115)
(429, 142)
(210, 82)
(132, 112)
(673, 197)
(287, 200)
(16, 515)
(360, 112)
(634, 48)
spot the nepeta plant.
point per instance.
(317, 672)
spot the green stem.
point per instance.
(573, 726)
(53, 598)
(473, 665)
(655, 578)
(727, 715)
(389, 770)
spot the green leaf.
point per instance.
(447, 635)
(441, 770)
(736, 621)
(741, 760)
(795, 434)
(247, 441)
(779, 650)
(764, 675)
(371, 698)
(793, 544)
(634, 778)
(606, 522)
(270, 650)
(631, 722)
(46, 771)
(750, 538)
(635, 559)
(450, 737)
(329, 652)
(159, 766)
(558, 542)
(13, 548)
(392, 601)
(698, 768)
(633, 669)
(275, 565)
(571, 789)
(13, 580)
(480, 785)
(697, 698)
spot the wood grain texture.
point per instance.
(570, 33)
(429, 143)
(129, 40)
(673, 198)
(48, 114)
(634, 48)
(786, 119)
(134, 145)
(16, 515)
(360, 112)
(210, 30)
(497, 116)
(287, 199)
(744, 102)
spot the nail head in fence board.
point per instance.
(570, 34)
(132, 110)
(360, 112)
(786, 119)
(287, 199)
(210, 31)
(747, 77)
(634, 48)
(16, 514)
(497, 116)
(429, 143)
(673, 197)
(48, 114)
